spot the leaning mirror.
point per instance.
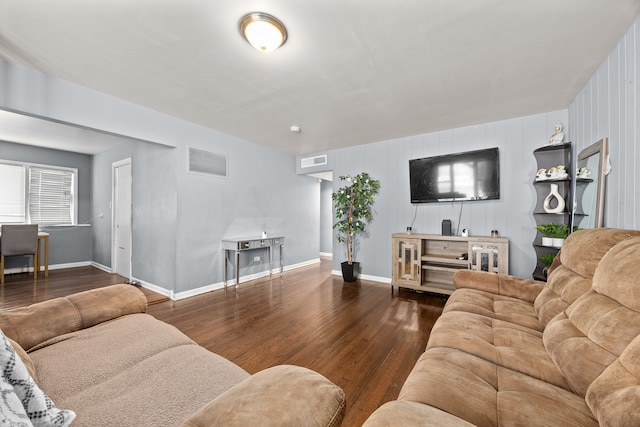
(592, 167)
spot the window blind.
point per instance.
(12, 195)
(50, 196)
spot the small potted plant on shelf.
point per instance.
(560, 233)
(353, 211)
(547, 260)
(548, 230)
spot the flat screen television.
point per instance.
(472, 175)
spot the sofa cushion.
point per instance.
(290, 395)
(614, 395)
(30, 326)
(488, 395)
(495, 306)
(601, 323)
(404, 413)
(150, 373)
(505, 344)
(579, 258)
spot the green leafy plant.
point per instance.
(547, 259)
(561, 231)
(547, 229)
(353, 207)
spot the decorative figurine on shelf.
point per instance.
(541, 175)
(559, 172)
(558, 136)
(584, 172)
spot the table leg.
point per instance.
(270, 260)
(224, 260)
(36, 262)
(281, 261)
(46, 257)
(237, 269)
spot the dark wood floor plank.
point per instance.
(358, 335)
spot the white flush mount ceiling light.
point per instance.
(265, 32)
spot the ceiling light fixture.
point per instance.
(265, 32)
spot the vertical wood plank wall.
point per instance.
(609, 106)
(388, 161)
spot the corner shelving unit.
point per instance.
(548, 157)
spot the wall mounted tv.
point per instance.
(472, 175)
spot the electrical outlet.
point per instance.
(256, 259)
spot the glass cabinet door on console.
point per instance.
(407, 265)
(489, 255)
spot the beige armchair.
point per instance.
(19, 240)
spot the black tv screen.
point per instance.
(472, 175)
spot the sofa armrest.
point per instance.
(498, 284)
(37, 323)
(279, 396)
(406, 413)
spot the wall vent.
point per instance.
(308, 162)
(207, 163)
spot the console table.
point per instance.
(241, 244)
(427, 262)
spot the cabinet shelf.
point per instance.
(444, 261)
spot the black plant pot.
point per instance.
(350, 271)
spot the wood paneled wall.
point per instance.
(609, 106)
(388, 161)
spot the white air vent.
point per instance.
(208, 163)
(308, 162)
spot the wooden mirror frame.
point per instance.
(600, 150)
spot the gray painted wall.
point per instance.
(388, 161)
(609, 106)
(326, 217)
(67, 244)
(179, 218)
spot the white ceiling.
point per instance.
(351, 72)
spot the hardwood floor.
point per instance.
(358, 335)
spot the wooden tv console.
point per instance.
(427, 262)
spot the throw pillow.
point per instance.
(38, 406)
(12, 413)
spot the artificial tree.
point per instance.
(353, 208)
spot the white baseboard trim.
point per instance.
(365, 277)
(326, 255)
(155, 288)
(231, 282)
(101, 267)
(15, 270)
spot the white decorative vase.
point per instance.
(547, 241)
(557, 243)
(554, 194)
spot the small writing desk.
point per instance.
(246, 244)
(42, 237)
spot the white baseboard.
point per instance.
(365, 277)
(15, 270)
(231, 282)
(102, 267)
(326, 255)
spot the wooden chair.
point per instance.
(19, 240)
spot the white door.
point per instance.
(122, 184)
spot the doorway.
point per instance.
(121, 218)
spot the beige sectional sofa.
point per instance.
(98, 354)
(509, 351)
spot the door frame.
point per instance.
(114, 166)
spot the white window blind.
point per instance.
(50, 196)
(12, 195)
